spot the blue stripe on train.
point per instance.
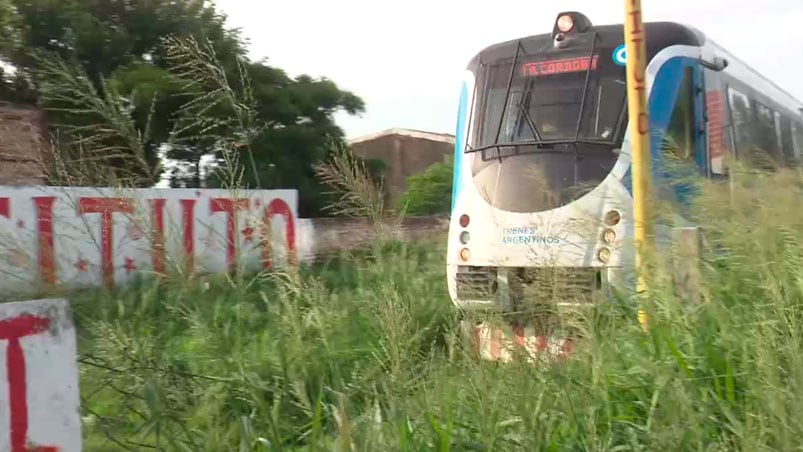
(459, 144)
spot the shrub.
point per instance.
(429, 193)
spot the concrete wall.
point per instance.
(83, 237)
(322, 237)
(23, 159)
(71, 237)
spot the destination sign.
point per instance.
(552, 67)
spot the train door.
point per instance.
(679, 132)
(717, 125)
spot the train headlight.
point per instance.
(464, 237)
(613, 218)
(464, 220)
(565, 23)
(465, 254)
(604, 255)
(608, 236)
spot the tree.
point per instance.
(430, 193)
(121, 47)
(104, 35)
(13, 86)
(7, 22)
(302, 133)
(285, 124)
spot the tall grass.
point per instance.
(280, 362)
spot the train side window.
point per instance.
(797, 141)
(754, 132)
(766, 135)
(786, 139)
(679, 144)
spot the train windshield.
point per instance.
(547, 128)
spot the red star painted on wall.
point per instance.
(248, 232)
(129, 265)
(258, 203)
(81, 265)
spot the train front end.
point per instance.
(540, 207)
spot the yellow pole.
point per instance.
(636, 61)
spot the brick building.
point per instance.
(404, 152)
(23, 148)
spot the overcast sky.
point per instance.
(405, 58)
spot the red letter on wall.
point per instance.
(188, 223)
(5, 207)
(106, 207)
(278, 207)
(12, 330)
(158, 244)
(230, 206)
(44, 228)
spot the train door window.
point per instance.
(679, 144)
(785, 137)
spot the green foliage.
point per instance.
(430, 193)
(102, 141)
(300, 133)
(105, 35)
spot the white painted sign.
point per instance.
(39, 398)
(496, 343)
(86, 237)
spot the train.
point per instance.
(542, 186)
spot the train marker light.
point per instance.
(604, 255)
(565, 23)
(464, 237)
(464, 220)
(570, 22)
(609, 236)
(465, 254)
(613, 218)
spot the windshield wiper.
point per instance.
(507, 92)
(540, 144)
(585, 87)
(524, 110)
